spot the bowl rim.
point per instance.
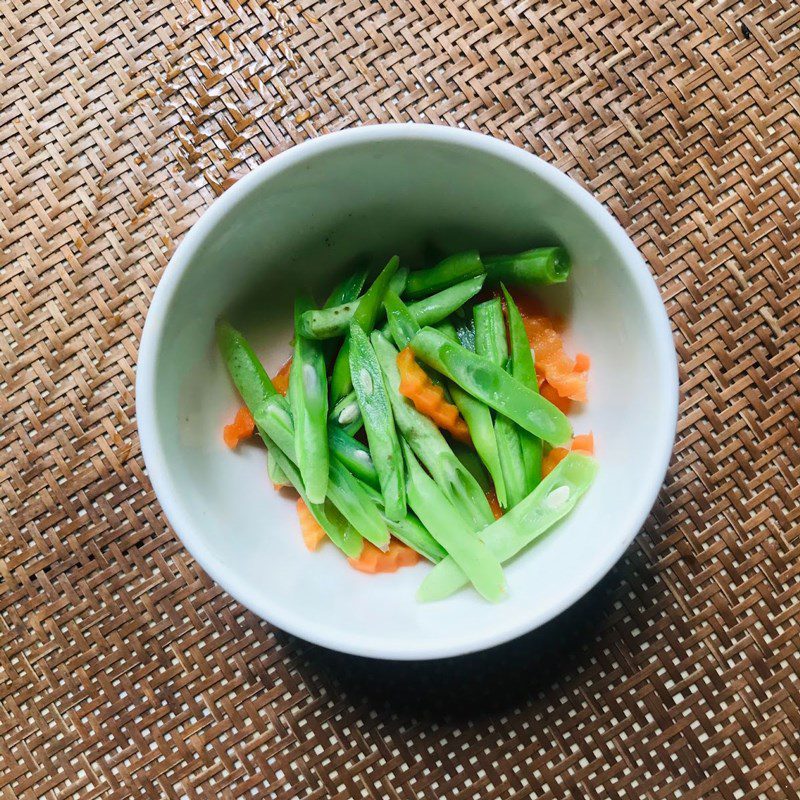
(158, 469)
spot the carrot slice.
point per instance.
(281, 379)
(428, 398)
(242, 427)
(309, 527)
(373, 560)
(558, 368)
(494, 503)
(583, 443)
(582, 362)
(549, 393)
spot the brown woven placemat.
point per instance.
(125, 672)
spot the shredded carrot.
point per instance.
(242, 427)
(557, 367)
(281, 379)
(373, 560)
(549, 393)
(494, 503)
(584, 443)
(309, 527)
(428, 398)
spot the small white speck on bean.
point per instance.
(310, 381)
(349, 414)
(366, 381)
(557, 497)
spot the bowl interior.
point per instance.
(298, 225)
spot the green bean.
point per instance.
(490, 342)
(376, 411)
(438, 306)
(276, 474)
(337, 528)
(446, 525)
(471, 460)
(348, 290)
(549, 502)
(493, 386)
(465, 327)
(524, 370)
(344, 490)
(478, 417)
(326, 323)
(453, 269)
(308, 397)
(352, 454)
(246, 371)
(347, 414)
(365, 314)
(411, 531)
(430, 446)
(402, 324)
(540, 267)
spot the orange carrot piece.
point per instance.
(242, 427)
(551, 360)
(549, 393)
(281, 379)
(309, 527)
(582, 362)
(583, 443)
(552, 459)
(428, 398)
(373, 561)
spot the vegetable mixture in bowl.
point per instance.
(424, 417)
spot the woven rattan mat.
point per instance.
(125, 672)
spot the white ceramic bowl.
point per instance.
(300, 220)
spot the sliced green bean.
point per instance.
(243, 365)
(402, 325)
(341, 385)
(347, 414)
(308, 396)
(493, 386)
(524, 370)
(276, 474)
(348, 290)
(376, 411)
(491, 343)
(472, 461)
(478, 417)
(412, 532)
(430, 446)
(353, 455)
(549, 502)
(540, 267)
(446, 525)
(453, 269)
(441, 305)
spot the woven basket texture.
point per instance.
(125, 672)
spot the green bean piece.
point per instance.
(493, 386)
(441, 305)
(431, 447)
(353, 455)
(348, 290)
(344, 490)
(376, 411)
(336, 527)
(524, 370)
(308, 396)
(341, 385)
(478, 417)
(490, 342)
(540, 267)
(447, 526)
(472, 461)
(332, 321)
(549, 502)
(347, 414)
(246, 371)
(402, 324)
(411, 531)
(276, 474)
(453, 269)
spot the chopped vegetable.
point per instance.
(551, 360)
(448, 527)
(428, 398)
(453, 269)
(524, 370)
(276, 474)
(441, 305)
(494, 503)
(542, 266)
(492, 385)
(373, 560)
(347, 414)
(354, 455)
(348, 290)
(563, 404)
(429, 445)
(246, 371)
(242, 427)
(376, 411)
(281, 379)
(308, 397)
(549, 502)
(580, 444)
(313, 533)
